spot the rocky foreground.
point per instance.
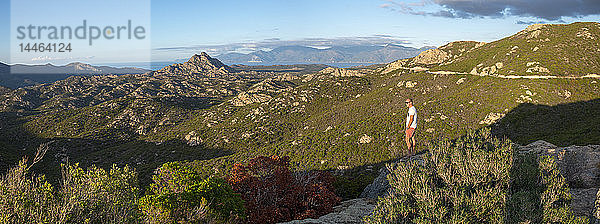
(580, 165)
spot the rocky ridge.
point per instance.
(202, 77)
(525, 53)
(432, 57)
(343, 72)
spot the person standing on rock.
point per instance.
(411, 125)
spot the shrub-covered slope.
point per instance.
(559, 50)
(325, 122)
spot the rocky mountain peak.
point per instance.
(533, 27)
(204, 60)
(198, 64)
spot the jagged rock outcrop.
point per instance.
(491, 118)
(395, 65)
(272, 85)
(380, 186)
(365, 139)
(489, 70)
(533, 31)
(193, 139)
(431, 56)
(201, 64)
(348, 212)
(245, 98)
(342, 72)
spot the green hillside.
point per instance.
(318, 123)
(558, 50)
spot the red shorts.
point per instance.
(409, 132)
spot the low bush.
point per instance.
(94, 195)
(462, 181)
(539, 193)
(84, 196)
(555, 198)
(476, 179)
(179, 194)
(25, 198)
(273, 194)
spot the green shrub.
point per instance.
(98, 196)
(556, 197)
(476, 179)
(85, 196)
(179, 194)
(24, 198)
(461, 181)
(539, 193)
(524, 203)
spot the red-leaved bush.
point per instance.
(273, 194)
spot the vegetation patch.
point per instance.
(475, 179)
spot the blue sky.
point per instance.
(181, 28)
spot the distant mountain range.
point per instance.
(311, 55)
(19, 75)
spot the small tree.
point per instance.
(179, 194)
(273, 194)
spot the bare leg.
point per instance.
(408, 144)
(413, 143)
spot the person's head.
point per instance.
(408, 102)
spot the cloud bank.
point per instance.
(544, 9)
(269, 44)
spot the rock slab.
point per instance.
(349, 212)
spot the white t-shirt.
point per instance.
(412, 111)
